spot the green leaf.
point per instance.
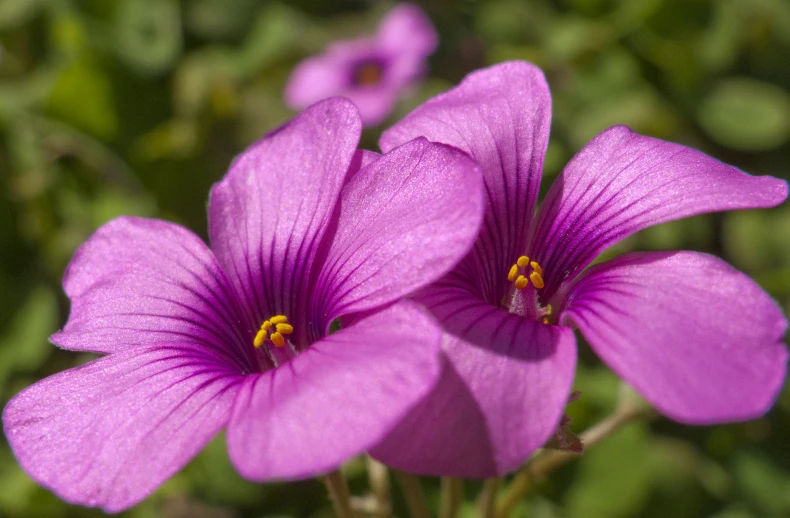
(763, 482)
(24, 346)
(614, 477)
(82, 96)
(148, 34)
(746, 114)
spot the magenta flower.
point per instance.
(371, 71)
(700, 340)
(236, 335)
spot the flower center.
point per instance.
(368, 73)
(281, 327)
(520, 273)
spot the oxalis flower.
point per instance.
(372, 71)
(236, 335)
(698, 339)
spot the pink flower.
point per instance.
(698, 339)
(371, 71)
(303, 230)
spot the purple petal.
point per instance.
(503, 389)
(700, 340)
(108, 433)
(406, 30)
(337, 398)
(139, 282)
(405, 220)
(501, 116)
(316, 78)
(270, 212)
(622, 182)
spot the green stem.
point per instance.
(487, 498)
(339, 494)
(451, 496)
(546, 461)
(412, 492)
(379, 477)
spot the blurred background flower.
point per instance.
(136, 107)
(372, 71)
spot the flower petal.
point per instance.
(317, 78)
(108, 433)
(501, 116)
(139, 282)
(502, 392)
(406, 30)
(270, 212)
(622, 182)
(405, 220)
(698, 339)
(335, 399)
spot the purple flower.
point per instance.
(236, 335)
(698, 339)
(371, 71)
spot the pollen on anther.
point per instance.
(535, 266)
(277, 339)
(523, 261)
(513, 272)
(521, 282)
(285, 329)
(536, 279)
(279, 319)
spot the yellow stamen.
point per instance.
(536, 279)
(259, 338)
(281, 327)
(548, 309)
(535, 266)
(523, 261)
(513, 273)
(285, 329)
(521, 282)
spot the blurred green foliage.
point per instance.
(138, 106)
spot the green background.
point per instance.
(138, 106)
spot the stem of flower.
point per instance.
(452, 493)
(546, 461)
(412, 492)
(379, 477)
(487, 498)
(339, 494)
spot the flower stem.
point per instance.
(339, 494)
(379, 478)
(452, 493)
(546, 461)
(412, 492)
(487, 498)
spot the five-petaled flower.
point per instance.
(371, 71)
(698, 339)
(303, 229)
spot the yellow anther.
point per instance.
(285, 329)
(536, 279)
(523, 261)
(513, 273)
(548, 309)
(281, 327)
(259, 338)
(521, 282)
(535, 266)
